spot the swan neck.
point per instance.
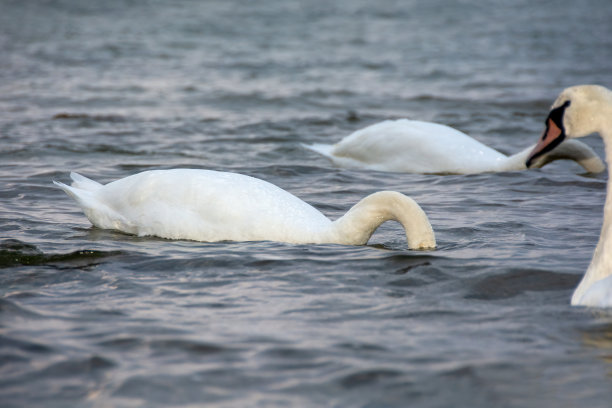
(516, 161)
(570, 149)
(359, 223)
(607, 215)
(601, 264)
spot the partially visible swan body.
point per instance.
(411, 146)
(580, 111)
(205, 205)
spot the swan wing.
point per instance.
(205, 205)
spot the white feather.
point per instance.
(411, 146)
(206, 205)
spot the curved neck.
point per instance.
(568, 150)
(359, 223)
(572, 149)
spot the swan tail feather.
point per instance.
(83, 183)
(97, 212)
(80, 195)
(323, 149)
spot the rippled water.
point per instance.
(97, 318)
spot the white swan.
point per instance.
(204, 205)
(412, 146)
(577, 112)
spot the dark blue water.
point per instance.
(94, 318)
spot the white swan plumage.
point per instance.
(206, 205)
(412, 146)
(577, 112)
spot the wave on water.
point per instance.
(14, 252)
(89, 117)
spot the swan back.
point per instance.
(206, 205)
(201, 205)
(413, 146)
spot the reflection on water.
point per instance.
(600, 338)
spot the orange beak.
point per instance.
(551, 138)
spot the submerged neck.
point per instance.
(568, 150)
(359, 223)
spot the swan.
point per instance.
(206, 205)
(412, 146)
(580, 111)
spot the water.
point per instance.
(93, 318)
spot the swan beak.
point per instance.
(552, 136)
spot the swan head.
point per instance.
(577, 112)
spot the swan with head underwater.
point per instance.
(411, 146)
(580, 111)
(206, 205)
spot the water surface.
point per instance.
(95, 318)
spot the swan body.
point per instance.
(411, 146)
(580, 111)
(205, 205)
